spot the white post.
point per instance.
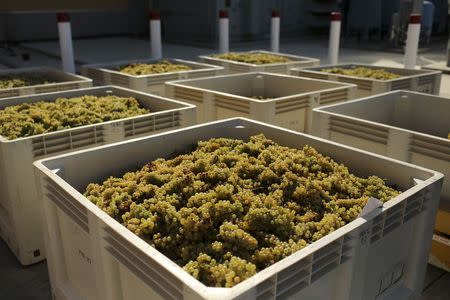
(275, 32)
(65, 42)
(155, 35)
(335, 37)
(223, 32)
(412, 41)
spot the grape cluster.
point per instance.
(231, 208)
(254, 58)
(164, 66)
(28, 119)
(261, 98)
(14, 81)
(363, 72)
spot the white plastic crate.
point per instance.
(20, 224)
(381, 255)
(63, 81)
(424, 81)
(290, 106)
(107, 73)
(404, 125)
(240, 67)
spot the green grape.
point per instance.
(254, 58)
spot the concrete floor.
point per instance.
(31, 282)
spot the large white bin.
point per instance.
(408, 126)
(20, 223)
(240, 67)
(424, 81)
(62, 81)
(382, 255)
(107, 73)
(291, 98)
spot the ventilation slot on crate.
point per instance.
(362, 84)
(158, 79)
(70, 206)
(293, 278)
(413, 206)
(95, 75)
(401, 84)
(265, 289)
(394, 218)
(347, 248)
(426, 199)
(199, 74)
(430, 147)
(68, 140)
(144, 267)
(334, 96)
(120, 79)
(311, 75)
(326, 259)
(357, 129)
(283, 106)
(238, 67)
(239, 105)
(188, 94)
(9, 93)
(377, 228)
(56, 87)
(423, 80)
(152, 123)
(276, 69)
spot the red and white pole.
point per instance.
(275, 32)
(412, 41)
(223, 32)
(335, 37)
(65, 42)
(155, 35)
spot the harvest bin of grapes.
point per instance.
(147, 75)
(37, 80)
(259, 61)
(38, 126)
(237, 210)
(373, 80)
(278, 99)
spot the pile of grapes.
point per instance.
(363, 72)
(164, 66)
(29, 119)
(14, 81)
(254, 58)
(231, 208)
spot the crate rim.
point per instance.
(316, 70)
(339, 86)
(323, 110)
(104, 66)
(183, 106)
(297, 58)
(265, 274)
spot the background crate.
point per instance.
(424, 81)
(229, 96)
(379, 256)
(232, 67)
(106, 73)
(20, 223)
(408, 126)
(63, 81)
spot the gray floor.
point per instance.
(31, 282)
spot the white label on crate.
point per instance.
(371, 204)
